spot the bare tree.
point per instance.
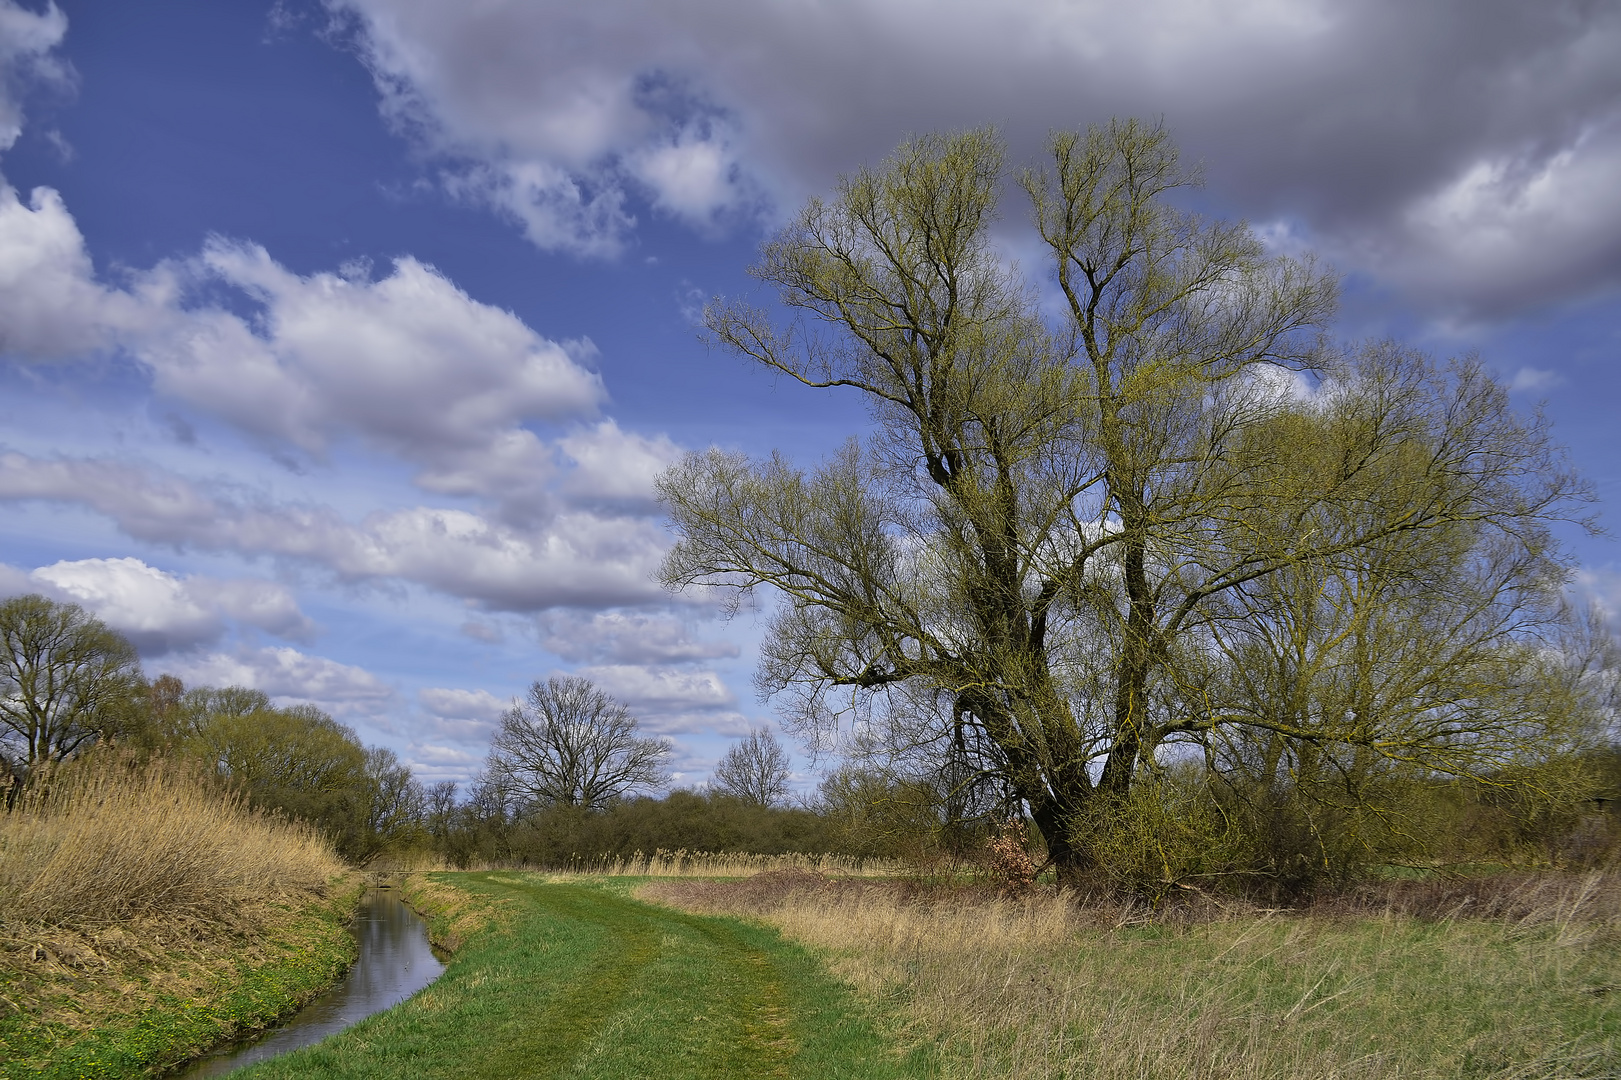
(755, 769)
(66, 680)
(571, 744)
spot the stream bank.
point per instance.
(394, 962)
(141, 998)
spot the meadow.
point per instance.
(146, 914)
(1507, 976)
(568, 976)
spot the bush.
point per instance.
(559, 836)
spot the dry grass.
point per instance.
(704, 864)
(1403, 984)
(106, 840)
(123, 885)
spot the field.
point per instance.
(144, 916)
(570, 977)
(1504, 977)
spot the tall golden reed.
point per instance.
(103, 839)
(679, 864)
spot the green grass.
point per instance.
(581, 981)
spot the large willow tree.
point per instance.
(1067, 533)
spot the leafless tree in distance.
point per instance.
(755, 769)
(571, 744)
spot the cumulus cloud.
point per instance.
(557, 211)
(461, 716)
(661, 688)
(158, 611)
(1463, 149)
(51, 306)
(1601, 585)
(432, 763)
(622, 637)
(577, 558)
(289, 677)
(26, 41)
(615, 468)
(409, 363)
(462, 704)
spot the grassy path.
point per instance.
(583, 982)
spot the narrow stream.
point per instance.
(395, 962)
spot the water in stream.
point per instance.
(395, 962)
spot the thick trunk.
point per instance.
(1131, 691)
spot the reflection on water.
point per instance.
(395, 962)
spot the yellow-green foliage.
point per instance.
(104, 839)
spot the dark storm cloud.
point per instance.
(1464, 151)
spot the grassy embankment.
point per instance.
(1506, 977)
(145, 916)
(573, 978)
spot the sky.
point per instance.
(341, 341)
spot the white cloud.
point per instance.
(661, 688)
(158, 611)
(409, 363)
(1464, 148)
(468, 717)
(616, 468)
(289, 677)
(695, 174)
(26, 41)
(462, 704)
(578, 558)
(726, 723)
(50, 303)
(1530, 380)
(557, 211)
(433, 762)
(626, 638)
(1602, 585)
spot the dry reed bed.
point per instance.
(107, 840)
(123, 882)
(1398, 983)
(695, 864)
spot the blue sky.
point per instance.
(340, 342)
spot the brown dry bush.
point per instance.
(106, 839)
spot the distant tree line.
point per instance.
(69, 683)
(570, 780)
